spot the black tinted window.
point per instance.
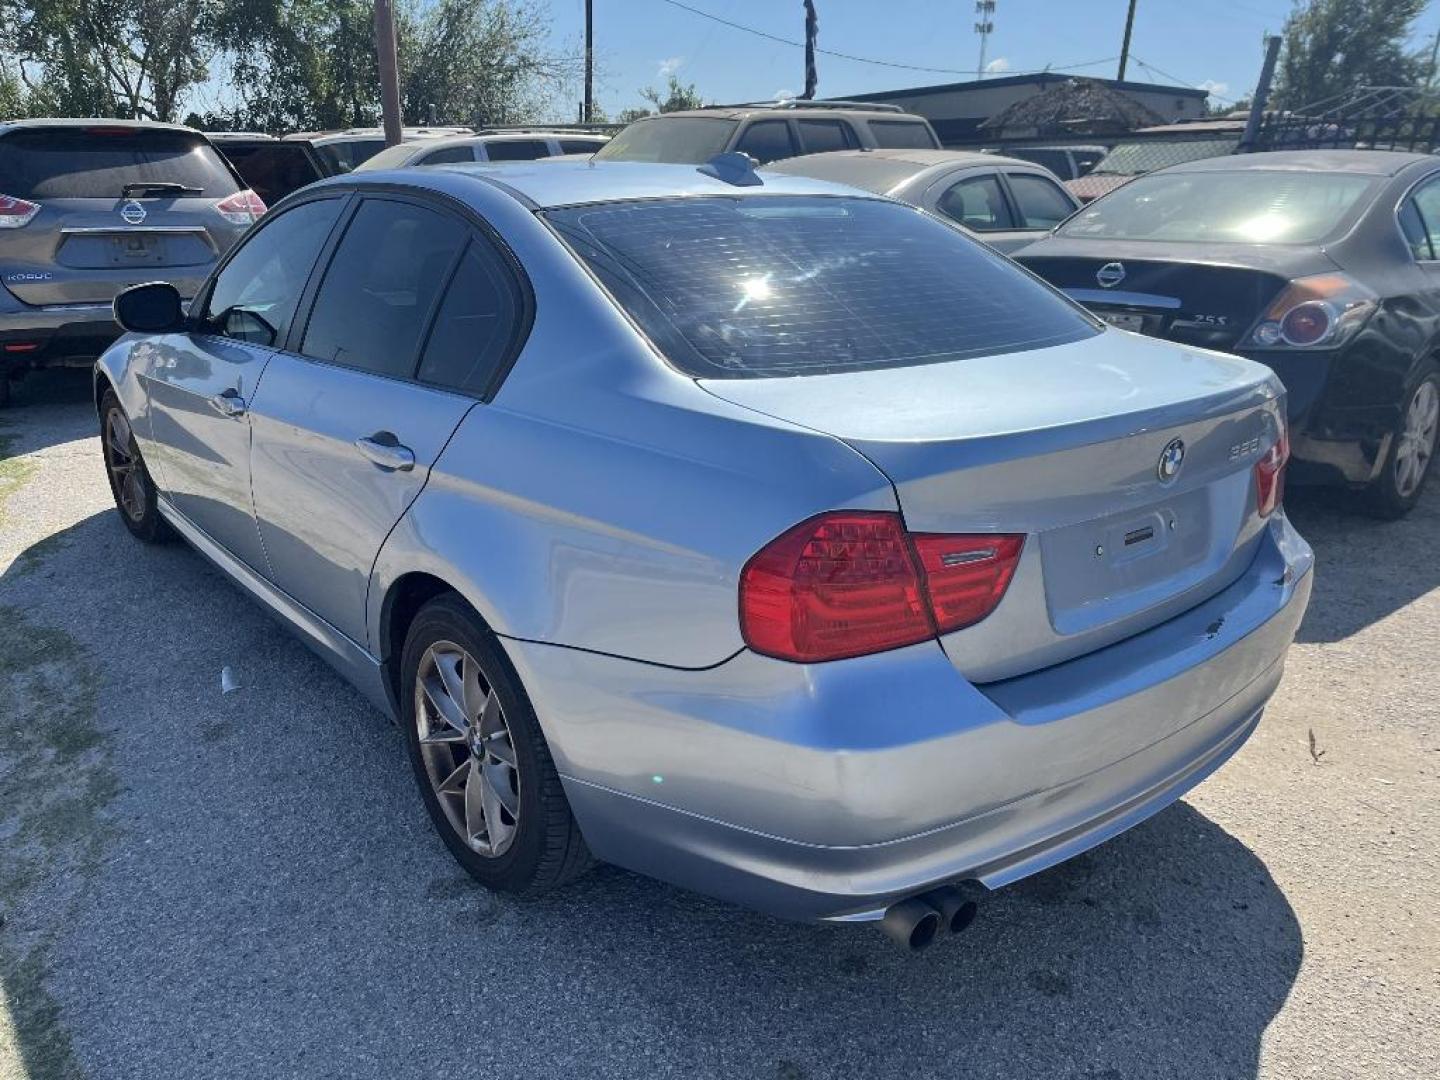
(97, 163)
(447, 155)
(902, 134)
(1427, 202)
(768, 140)
(385, 276)
(517, 150)
(272, 170)
(795, 285)
(344, 156)
(255, 295)
(978, 204)
(476, 323)
(822, 136)
(1040, 202)
(580, 146)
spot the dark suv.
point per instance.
(89, 207)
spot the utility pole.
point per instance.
(389, 74)
(1262, 94)
(1125, 45)
(1434, 54)
(985, 14)
(589, 110)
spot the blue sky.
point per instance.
(1211, 43)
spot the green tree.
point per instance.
(677, 96)
(1334, 47)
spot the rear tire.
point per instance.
(485, 773)
(130, 484)
(1407, 467)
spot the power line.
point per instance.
(869, 59)
(1179, 81)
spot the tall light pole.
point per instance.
(389, 74)
(589, 109)
(985, 15)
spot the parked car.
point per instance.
(769, 131)
(1173, 144)
(1005, 202)
(88, 207)
(1066, 162)
(1321, 264)
(271, 167)
(490, 146)
(770, 538)
(342, 151)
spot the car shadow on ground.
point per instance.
(271, 901)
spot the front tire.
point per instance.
(484, 769)
(1397, 489)
(130, 483)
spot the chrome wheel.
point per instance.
(1417, 439)
(467, 749)
(127, 475)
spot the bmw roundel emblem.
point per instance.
(1171, 458)
(1110, 275)
(132, 212)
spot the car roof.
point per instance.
(739, 112)
(92, 121)
(583, 180)
(1362, 162)
(884, 170)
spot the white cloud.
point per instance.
(669, 67)
(1210, 86)
(784, 95)
(997, 65)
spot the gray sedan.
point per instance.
(769, 538)
(1005, 202)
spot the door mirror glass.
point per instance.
(150, 309)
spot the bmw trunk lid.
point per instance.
(1128, 465)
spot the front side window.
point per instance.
(1248, 206)
(447, 155)
(680, 140)
(978, 204)
(517, 150)
(769, 285)
(1041, 203)
(383, 280)
(580, 146)
(255, 295)
(821, 136)
(903, 135)
(766, 141)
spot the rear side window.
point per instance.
(822, 136)
(774, 285)
(767, 140)
(902, 135)
(978, 204)
(517, 150)
(447, 155)
(476, 324)
(1040, 202)
(255, 295)
(385, 276)
(97, 163)
(1426, 201)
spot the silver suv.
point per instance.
(90, 207)
(769, 131)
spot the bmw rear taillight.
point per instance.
(242, 208)
(853, 582)
(1270, 475)
(16, 212)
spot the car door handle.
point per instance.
(384, 450)
(229, 403)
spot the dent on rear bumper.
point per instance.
(827, 791)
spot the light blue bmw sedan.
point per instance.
(754, 533)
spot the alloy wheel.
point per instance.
(127, 476)
(1417, 439)
(467, 748)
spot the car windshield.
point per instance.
(1134, 158)
(1249, 206)
(99, 162)
(680, 140)
(769, 285)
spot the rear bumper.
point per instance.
(53, 335)
(830, 791)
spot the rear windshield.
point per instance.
(680, 140)
(1245, 207)
(97, 163)
(902, 135)
(797, 285)
(1132, 159)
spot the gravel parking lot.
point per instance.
(196, 884)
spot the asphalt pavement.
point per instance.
(199, 884)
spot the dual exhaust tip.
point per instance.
(917, 923)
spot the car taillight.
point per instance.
(1323, 309)
(853, 582)
(16, 212)
(1270, 475)
(242, 208)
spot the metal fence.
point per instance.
(1373, 118)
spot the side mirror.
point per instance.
(154, 308)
